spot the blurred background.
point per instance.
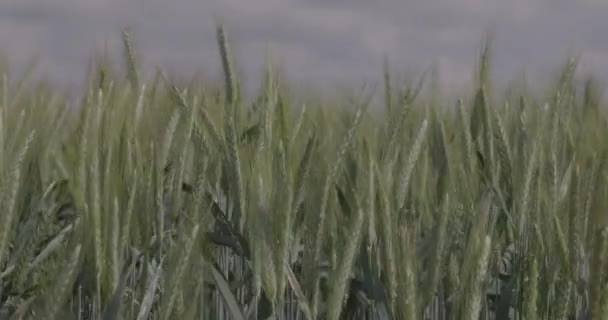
(317, 42)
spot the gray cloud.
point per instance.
(317, 42)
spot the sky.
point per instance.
(318, 43)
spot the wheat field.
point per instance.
(153, 200)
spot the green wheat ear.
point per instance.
(230, 82)
(10, 188)
(182, 264)
(52, 305)
(130, 59)
(230, 124)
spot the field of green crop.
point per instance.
(158, 200)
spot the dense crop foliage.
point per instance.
(157, 201)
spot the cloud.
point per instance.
(318, 42)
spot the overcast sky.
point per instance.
(318, 42)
